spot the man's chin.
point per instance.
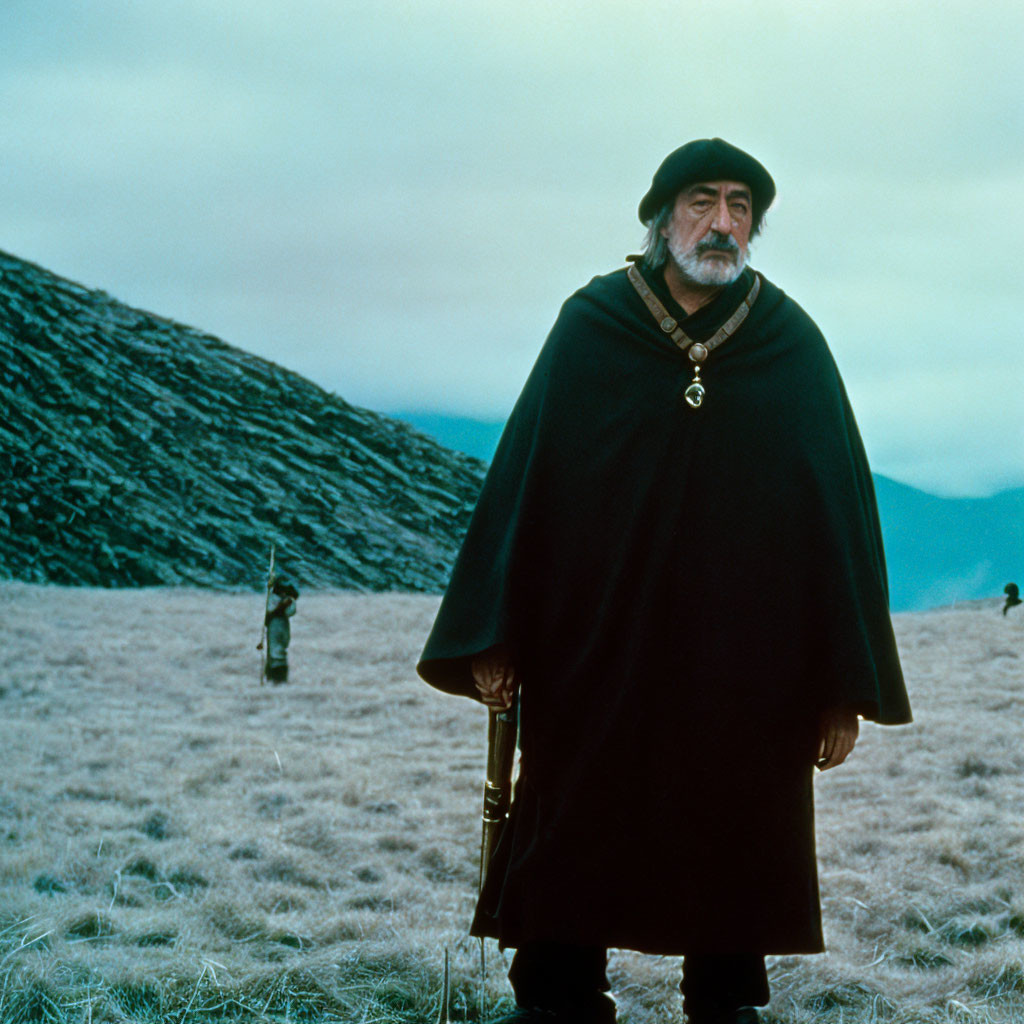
(712, 272)
(709, 268)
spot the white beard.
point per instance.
(707, 272)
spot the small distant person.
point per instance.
(1012, 592)
(279, 631)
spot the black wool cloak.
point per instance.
(682, 592)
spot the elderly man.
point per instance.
(675, 562)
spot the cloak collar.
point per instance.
(701, 324)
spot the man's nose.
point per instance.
(722, 221)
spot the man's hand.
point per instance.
(494, 677)
(837, 736)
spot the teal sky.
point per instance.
(395, 198)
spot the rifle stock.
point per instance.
(502, 729)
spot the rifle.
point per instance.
(502, 730)
(501, 751)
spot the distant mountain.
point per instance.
(944, 550)
(135, 451)
(939, 550)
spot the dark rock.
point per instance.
(137, 451)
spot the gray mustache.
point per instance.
(715, 240)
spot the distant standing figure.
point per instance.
(279, 631)
(1012, 593)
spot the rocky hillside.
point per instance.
(139, 451)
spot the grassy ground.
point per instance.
(180, 843)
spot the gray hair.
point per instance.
(656, 244)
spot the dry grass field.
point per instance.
(180, 843)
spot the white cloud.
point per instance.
(395, 198)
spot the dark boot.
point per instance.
(522, 1016)
(600, 1014)
(724, 988)
(741, 1015)
(565, 981)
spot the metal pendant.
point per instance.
(694, 394)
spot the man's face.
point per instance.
(709, 232)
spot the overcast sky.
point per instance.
(395, 198)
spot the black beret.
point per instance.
(707, 160)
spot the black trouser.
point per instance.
(717, 982)
(571, 979)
